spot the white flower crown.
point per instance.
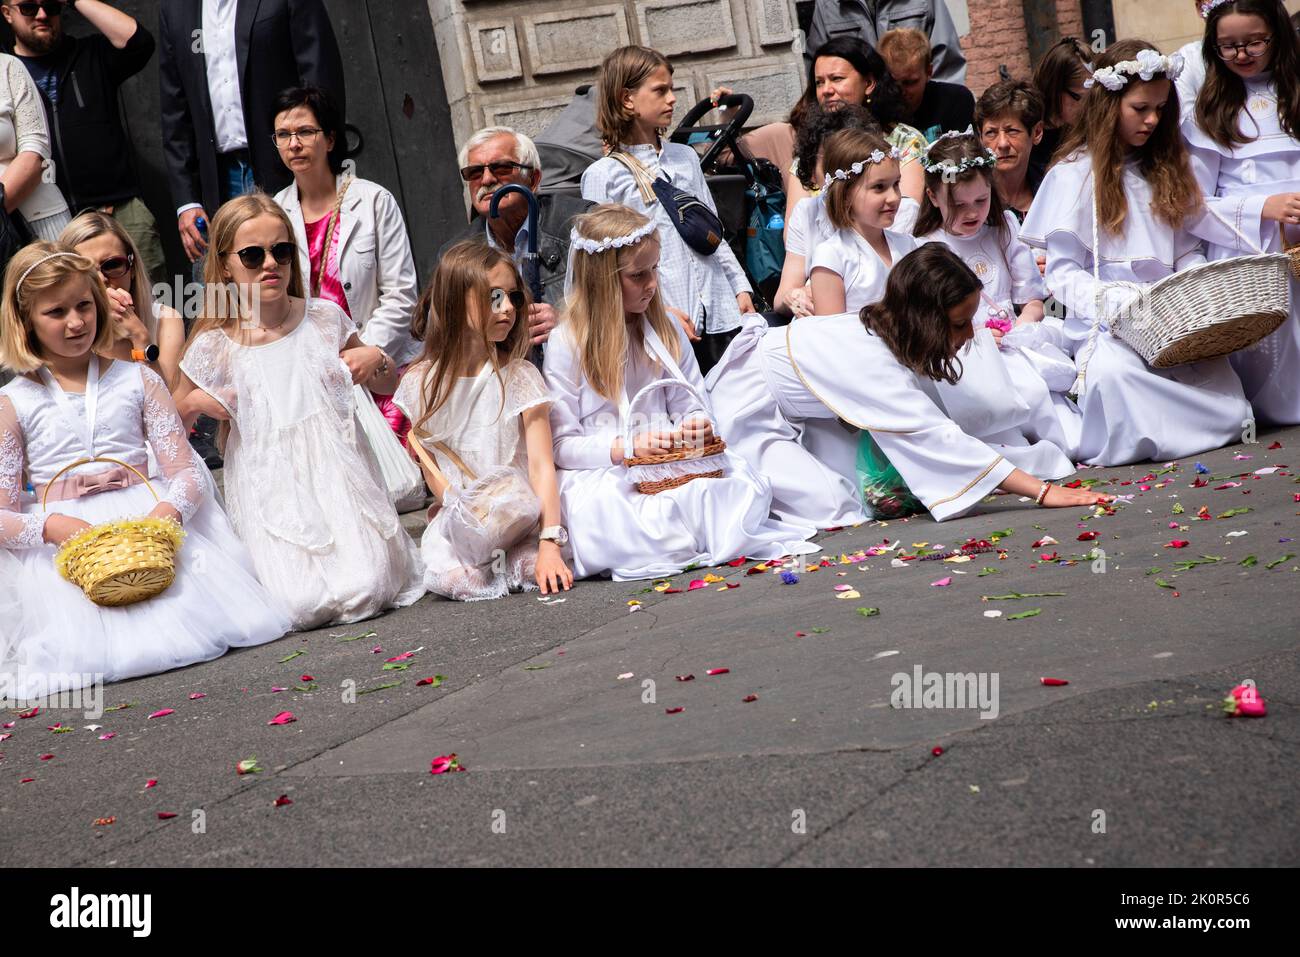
(1146, 66)
(949, 169)
(1208, 7)
(594, 246)
(857, 168)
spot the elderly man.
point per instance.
(495, 157)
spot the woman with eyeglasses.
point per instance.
(1244, 140)
(144, 330)
(302, 486)
(352, 244)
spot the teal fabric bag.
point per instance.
(883, 490)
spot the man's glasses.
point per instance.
(306, 136)
(1254, 49)
(52, 8)
(115, 267)
(500, 170)
(253, 256)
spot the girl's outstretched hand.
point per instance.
(552, 573)
(1058, 497)
(697, 433)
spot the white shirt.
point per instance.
(521, 241)
(223, 74)
(1192, 78)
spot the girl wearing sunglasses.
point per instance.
(302, 486)
(144, 330)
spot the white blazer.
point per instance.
(376, 268)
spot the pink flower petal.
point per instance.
(941, 583)
(1054, 682)
(107, 735)
(197, 695)
(152, 782)
(163, 713)
(685, 677)
(166, 815)
(718, 671)
(696, 584)
(275, 689)
(376, 650)
(284, 717)
(29, 714)
(1177, 543)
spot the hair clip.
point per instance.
(1208, 7)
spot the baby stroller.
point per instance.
(747, 191)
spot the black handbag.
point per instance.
(699, 226)
(14, 235)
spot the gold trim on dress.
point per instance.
(797, 371)
(973, 482)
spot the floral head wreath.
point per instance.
(1146, 66)
(986, 158)
(594, 246)
(1208, 7)
(856, 169)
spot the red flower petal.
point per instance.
(1088, 536)
(685, 677)
(1178, 543)
(718, 671)
(163, 713)
(1077, 483)
(672, 591)
(1054, 682)
(1048, 558)
(46, 757)
(166, 815)
(282, 800)
(1275, 445)
(306, 678)
(152, 782)
(284, 717)
(444, 763)
(737, 562)
(673, 710)
(749, 697)
(26, 780)
(936, 751)
(32, 713)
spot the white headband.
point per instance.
(1208, 7)
(594, 246)
(986, 158)
(44, 259)
(857, 168)
(1146, 66)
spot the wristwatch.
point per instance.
(148, 354)
(555, 533)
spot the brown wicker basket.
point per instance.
(672, 469)
(1292, 251)
(123, 561)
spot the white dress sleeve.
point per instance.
(525, 388)
(796, 230)
(575, 447)
(1244, 212)
(207, 364)
(332, 321)
(830, 254)
(18, 529)
(1058, 222)
(1026, 281)
(409, 396)
(178, 462)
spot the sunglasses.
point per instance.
(500, 170)
(253, 256)
(115, 267)
(500, 297)
(52, 8)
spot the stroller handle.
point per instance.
(723, 135)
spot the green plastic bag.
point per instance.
(884, 492)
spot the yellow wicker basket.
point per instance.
(123, 561)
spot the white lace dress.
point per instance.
(301, 484)
(52, 637)
(483, 427)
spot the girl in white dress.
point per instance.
(476, 402)
(848, 270)
(707, 293)
(614, 340)
(1244, 140)
(66, 405)
(962, 210)
(1126, 161)
(773, 382)
(303, 490)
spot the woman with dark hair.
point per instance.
(352, 250)
(888, 372)
(1244, 141)
(1059, 78)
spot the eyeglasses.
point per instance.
(1074, 96)
(115, 267)
(500, 170)
(52, 8)
(515, 297)
(253, 256)
(1254, 49)
(306, 136)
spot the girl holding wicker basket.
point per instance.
(302, 485)
(1244, 140)
(647, 486)
(481, 431)
(1113, 215)
(161, 580)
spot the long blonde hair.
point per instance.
(594, 310)
(460, 285)
(91, 225)
(221, 300)
(20, 351)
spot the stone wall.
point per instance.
(516, 63)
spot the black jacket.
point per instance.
(279, 44)
(555, 213)
(92, 153)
